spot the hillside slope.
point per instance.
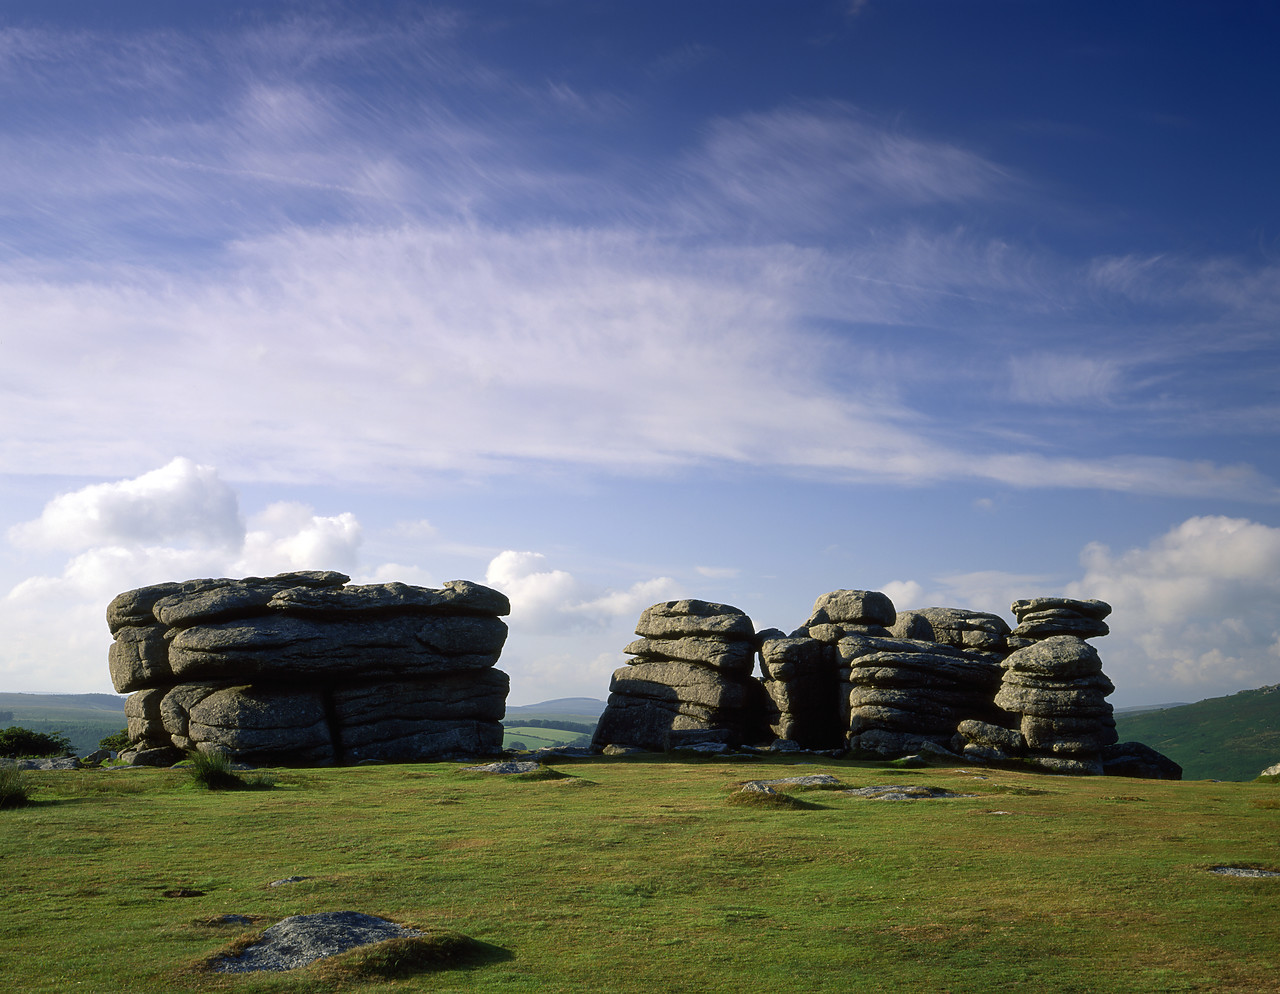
(1222, 738)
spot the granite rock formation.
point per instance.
(908, 695)
(689, 681)
(302, 669)
(862, 676)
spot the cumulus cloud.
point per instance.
(181, 503)
(547, 601)
(174, 523)
(290, 536)
(1197, 610)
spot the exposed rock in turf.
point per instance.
(504, 768)
(901, 792)
(302, 939)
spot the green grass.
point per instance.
(638, 875)
(1222, 738)
(541, 738)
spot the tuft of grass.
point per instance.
(403, 957)
(15, 791)
(213, 771)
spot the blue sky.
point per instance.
(609, 303)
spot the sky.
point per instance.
(610, 303)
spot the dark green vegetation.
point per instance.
(1222, 738)
(83, 718)
(16, 741)
(15, 788)
(640, 875)
(214, 771)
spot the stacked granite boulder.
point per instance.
(689, 682)
(1057, 686)
(909, 695)
(301, 669)
(1044, 617)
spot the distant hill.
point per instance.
(82, 718)
(18, 703)
(1222, 738)
(588, 706)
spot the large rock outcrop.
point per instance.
(862, 676)
(689, 680)
(301, 668)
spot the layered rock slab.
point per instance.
(299, 668)
(689, 680)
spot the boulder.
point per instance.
(1043, 617)
(802, 679)
(955, 627)
(1057, 688)
(680, 619)
(853, 607)
(1133, 759)
(689, 680)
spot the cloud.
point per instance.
(554, 601)
(174, 523)
(444, 338)
(289, 536)
(809, 169)
(1049, 379)
(179, 503)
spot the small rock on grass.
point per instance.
(899, 792)
(302, 939)
(812, 780)
(507, 767)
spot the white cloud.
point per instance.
(905, 594)
(1196, 611)
(813, 167)
(553, 601)
(1044, 378)
(178, 503)
(290, 536)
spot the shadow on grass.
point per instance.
(412, 955)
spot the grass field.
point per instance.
(540, 738)
(638, 875)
